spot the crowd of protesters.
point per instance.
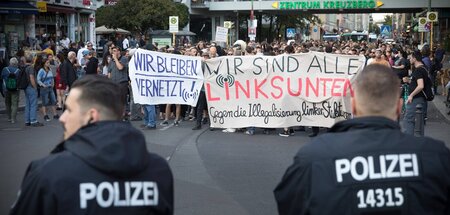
(51, 75)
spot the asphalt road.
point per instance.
(215, 172)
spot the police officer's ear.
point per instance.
(93, 116)
(354, 113)
(398, 109)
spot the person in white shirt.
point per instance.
(125, 43)
(65, 41)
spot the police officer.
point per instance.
(101, 167)
(366, 165)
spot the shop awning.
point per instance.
(68, 10)
(17, 7)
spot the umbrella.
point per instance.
(104, 30)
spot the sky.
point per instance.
(379, 16)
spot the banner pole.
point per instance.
(421, 38)
(173, 39)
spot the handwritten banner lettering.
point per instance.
(312, 89)
(160, 78)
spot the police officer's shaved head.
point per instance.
(377, 92)
(101, 93)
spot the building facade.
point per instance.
(31, 22)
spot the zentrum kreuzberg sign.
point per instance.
(337, 4)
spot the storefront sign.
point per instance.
(330, 4)
(41, 6)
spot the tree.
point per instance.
(388, 20)
(281, 22)
(142, 15)
(374, 28)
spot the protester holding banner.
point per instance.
(118, 72)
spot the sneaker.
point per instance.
(284, 134)
(176, 123)
(27, 124)
(291, 131)
(149, 127)
(13, 121)
(250, 132)
(46, 118)
(56, 116)
(36, 124)
(197, 127)
(229, 130)
(164, 123)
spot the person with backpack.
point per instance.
(10, 76)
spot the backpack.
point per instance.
(11, 81)
(22, 79)
(427, 86)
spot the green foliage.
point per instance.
(142, 15)
(299, 20)
(373, 28)
(388, 20)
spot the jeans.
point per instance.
(410, 115)
(48, 97)
(12, 104)
(149, 115)
(30, 105)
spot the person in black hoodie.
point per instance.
(366, 165)
(101, 167)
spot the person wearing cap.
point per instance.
(91, 63)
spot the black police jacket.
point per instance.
(367, 166)
(104, 168)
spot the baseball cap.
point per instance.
(85, 52)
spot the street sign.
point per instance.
(173, 24)
(386, 29)
(227, 24)
(432, 16)
(290, 32)
(423, 25)
(221, 34)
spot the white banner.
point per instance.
(160, 78)
(312, 89)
